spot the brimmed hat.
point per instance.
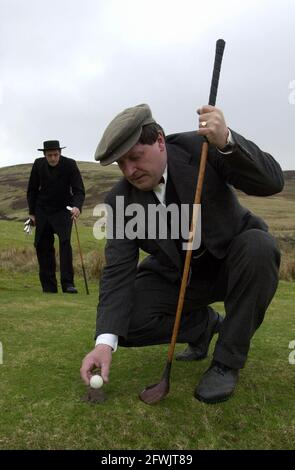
(51, 145)
(123, 133)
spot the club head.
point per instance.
(155, 392)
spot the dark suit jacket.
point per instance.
(247, 169)
(50, 190)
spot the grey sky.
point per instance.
(68, 66)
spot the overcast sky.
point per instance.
(68, 66)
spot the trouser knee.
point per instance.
(257, 250)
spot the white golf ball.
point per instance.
(96, 381)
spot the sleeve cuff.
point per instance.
(109, 339)
(230, 144)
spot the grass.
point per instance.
(278, 211)
(14, 180)
(13, 236)
(44, 338)
(17, 251)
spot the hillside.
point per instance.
(278, 210)
(14, 180)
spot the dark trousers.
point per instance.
(246, 280)
(46, 259)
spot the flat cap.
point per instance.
(123, 133)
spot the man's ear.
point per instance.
(161, 141)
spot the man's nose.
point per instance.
(129, 170)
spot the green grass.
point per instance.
(14, 181)
(278, 210)
(44, 338)
(13, 236)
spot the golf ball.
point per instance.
(96, 381)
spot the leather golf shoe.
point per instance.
(217, 384)
(198, 351)
(70, 290)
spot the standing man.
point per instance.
(55, 182)
(237, 262)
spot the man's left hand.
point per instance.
(212, 125)
(75, 213)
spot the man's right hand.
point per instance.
(33, 218)
(100, 357)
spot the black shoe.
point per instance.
(49, 289)
(198, 351)
(217, 384)
(70, 290)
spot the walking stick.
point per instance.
(80, 251)
(157, 392)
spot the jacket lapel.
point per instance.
(144, 198)
(184, 177)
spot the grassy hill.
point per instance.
(14, 180)
(278, 210)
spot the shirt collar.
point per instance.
(164, 176)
